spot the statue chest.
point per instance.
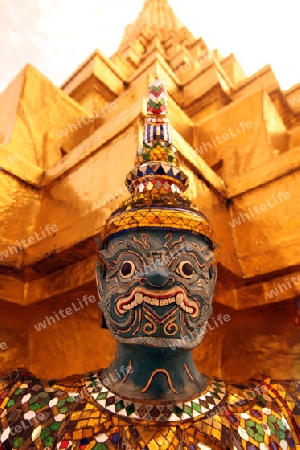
(84, 415)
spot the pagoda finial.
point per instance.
(156, 176)
(157, 139)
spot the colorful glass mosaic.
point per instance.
(82, 413)
(160, 218)
(157, 98)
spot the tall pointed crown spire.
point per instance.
(157, 183)
(150, 178)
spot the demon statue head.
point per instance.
(157, 270)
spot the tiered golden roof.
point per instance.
(156, 18)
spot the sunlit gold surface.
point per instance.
(75, 181)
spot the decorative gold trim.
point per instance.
(128, 372)
(188, 372)
(155, 372)
(155, 217)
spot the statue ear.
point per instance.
(102, 320)
(213, 271)
(100, 278)
(101, 285)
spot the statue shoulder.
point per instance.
(263, 410)
(21, 378)
(34, 410)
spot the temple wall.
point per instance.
(270, 216)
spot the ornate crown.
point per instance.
(156, 183)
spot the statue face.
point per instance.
(156, 287)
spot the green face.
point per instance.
(156, 287)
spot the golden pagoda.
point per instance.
(61, 177)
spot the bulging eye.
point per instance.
(185, 269)
(127, 269)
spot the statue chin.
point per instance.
(174, 334)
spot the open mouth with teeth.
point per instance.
(176, 297)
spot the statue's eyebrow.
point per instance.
(111, 252)
(204, 253)
(144, 244)
(177, 246)
(133, 244)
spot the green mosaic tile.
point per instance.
(63, 410)
(102, 396)
(196, 407)
(33, 399)
(17, 442)
(250, 432)
(215, 395)
(45, 433)
(130, 409)
(260, 429)
(261, 401)
(100, 446)
(44, 395)
(35, 406)
(119, 405)
(258, 437)
(188, 410)
(55, 426)
(177, 411)
(18, 391)
(61, 403)
(48, 441)
(280, 434)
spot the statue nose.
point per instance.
(157, 278)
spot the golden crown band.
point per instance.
(158, 218)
